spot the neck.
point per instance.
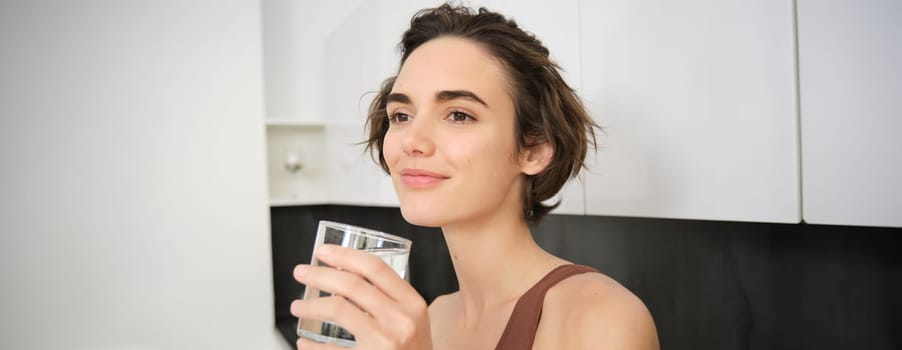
(496, 260)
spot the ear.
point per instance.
(535, 159)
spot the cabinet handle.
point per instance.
(293, 162)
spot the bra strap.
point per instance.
(520, 332)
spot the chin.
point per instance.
(422, 216)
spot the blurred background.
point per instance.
(164, 165)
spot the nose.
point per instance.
(418, 138)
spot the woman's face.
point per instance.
(451, 146)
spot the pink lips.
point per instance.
(417, 178)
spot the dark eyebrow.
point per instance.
(396, 97)
(455, 94)
(445, 95)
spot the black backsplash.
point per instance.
(708, 284)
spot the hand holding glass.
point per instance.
(391, 249)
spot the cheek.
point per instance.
(485, 156)
(391, 150)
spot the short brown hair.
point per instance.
(547, 109)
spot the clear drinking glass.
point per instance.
(393, 250)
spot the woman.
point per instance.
(476, 130)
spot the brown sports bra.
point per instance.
(524, 320)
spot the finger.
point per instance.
(370, 267)
(335, 309)
(307, 344)
(348, 284)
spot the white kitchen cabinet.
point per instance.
(295, 33)
(698, 101)
(850, 74)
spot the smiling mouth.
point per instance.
(420, 178)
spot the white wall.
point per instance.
(133, 210)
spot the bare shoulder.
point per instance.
(591, 310)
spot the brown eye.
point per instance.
(398, 118)
(460, 117)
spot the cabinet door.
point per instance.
(698, 101)
(295, 33)
(849, 54)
